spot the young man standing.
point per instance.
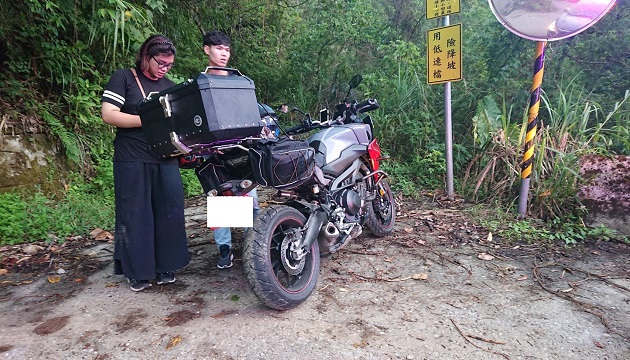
(216, 45)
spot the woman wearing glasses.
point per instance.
(150, 237)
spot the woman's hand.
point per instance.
(112, 115)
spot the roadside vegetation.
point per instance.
(54, 69)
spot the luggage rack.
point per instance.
(215, 146)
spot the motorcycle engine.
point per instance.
(350, 200)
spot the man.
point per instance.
(216, 45)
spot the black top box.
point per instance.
(207, 110)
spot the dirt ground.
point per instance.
(438, 288)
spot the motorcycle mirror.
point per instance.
(355, 81)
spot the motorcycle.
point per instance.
(328, 187)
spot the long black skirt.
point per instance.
(150, 234)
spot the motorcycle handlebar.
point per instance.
(298, 129)
(308, 124)
(367, 105)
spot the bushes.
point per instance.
(83, 206)
(570, 126)
(35, 216)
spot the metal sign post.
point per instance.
(444, 64)
(532, 124)
(448, 133)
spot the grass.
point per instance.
(502, 223)
(36, 216)
(82, 207)
(570, 126)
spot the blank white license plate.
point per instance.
(230, 211)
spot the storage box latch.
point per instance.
(166, 105)
(181, 147)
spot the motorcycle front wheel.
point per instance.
(382, 211)
(277, 279)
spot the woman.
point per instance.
(150, 237)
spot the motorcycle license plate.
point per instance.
(230, 211)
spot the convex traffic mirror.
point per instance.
(549, 20)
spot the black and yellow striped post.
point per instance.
(532, 124)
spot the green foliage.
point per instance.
(424, 170)
(408, 124)
(493, 171)
(570, 230)
(36, 216)
(618, 118)
(53, 70)
(570, 127)
(121, 26)
(13, 219)
(192, 187)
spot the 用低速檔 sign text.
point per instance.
(444, 54)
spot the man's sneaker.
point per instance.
(225, 257)
(138, 285)
(165, 278)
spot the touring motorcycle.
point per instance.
(329, 186)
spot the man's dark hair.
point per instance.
(215, 37)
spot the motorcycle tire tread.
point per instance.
(256, 260)
(373, 222)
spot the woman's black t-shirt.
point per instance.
(122, 91)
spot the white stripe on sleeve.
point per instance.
(112, 95)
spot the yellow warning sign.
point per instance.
(438, 8)
(444, 54)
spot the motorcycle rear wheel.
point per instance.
(264, 261)
(382, 211)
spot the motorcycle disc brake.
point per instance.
(292, 266)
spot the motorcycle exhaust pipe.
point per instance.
(313, 227)
(327, 237)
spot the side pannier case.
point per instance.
(282, 163)
(202, 111)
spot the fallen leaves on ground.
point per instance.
(173, 342)
(32, 249)
(223, 313)
(422, 276)
(101, 235)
